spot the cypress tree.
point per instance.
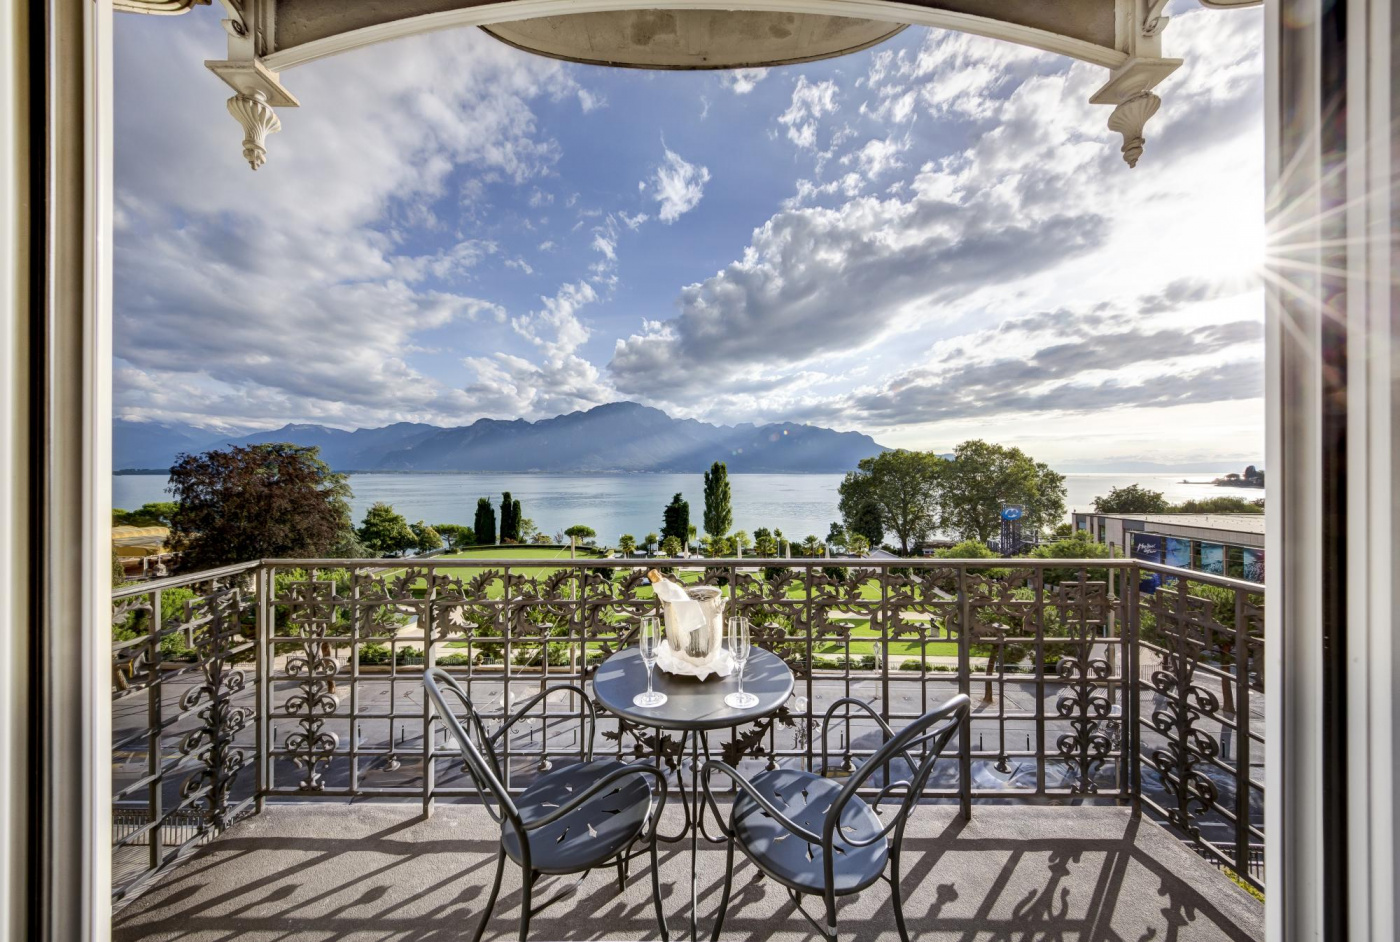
(510, 528)
(676, 520)
(719, 510)
(484, 525)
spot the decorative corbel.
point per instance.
(258, 91)
(1128, 119)
(1138, 35)
(258, 121)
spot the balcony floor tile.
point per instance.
(317, 872)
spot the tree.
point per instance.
(484, 525)
(510, 519)
(525, 528)
(651, 540)
(254, 502)
(627, 544)
(811, 544)
(857, 545)
(983, 477)
(458, 537)
(349, 546)
(741, 540)
(541, 539)
(155, 514)
(860, 511)
(904, 485)
(579, 532)
(676, 519)
(837, 537)
(764, 544)
(1132, 499)
(671, 546)
(428, 539)
(719, 509)
(386, 532)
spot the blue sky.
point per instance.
(929, 241)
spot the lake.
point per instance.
(613, 504)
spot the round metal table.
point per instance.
(692, 708)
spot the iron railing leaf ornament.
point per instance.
(216, 624)
(313, 609)
(1080, 609)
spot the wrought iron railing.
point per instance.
(180, 716)
(1086, 686)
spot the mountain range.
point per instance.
(618, 436)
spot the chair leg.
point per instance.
(656, 892)
(491, 900)
(622, 873)
(724, 897)
(829, 930)
(527, 884)
(897, 899)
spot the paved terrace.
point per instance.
(321, 871)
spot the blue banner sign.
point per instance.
(1178, 552)
(1149, 546)
(1213, 558)
(1254, 565)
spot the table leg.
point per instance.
(694, 831)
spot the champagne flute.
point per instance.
(739, 649)
(649, 642)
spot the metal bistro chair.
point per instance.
(816, 836)
(578, 817)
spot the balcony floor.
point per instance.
(319, 872)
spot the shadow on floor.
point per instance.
(324, 872)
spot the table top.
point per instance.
(690, 704)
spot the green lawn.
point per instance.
(508, 552)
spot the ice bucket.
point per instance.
(696, 646)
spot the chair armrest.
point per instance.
(574, 803)
(589, 713)
(716, 765)
(869, 710)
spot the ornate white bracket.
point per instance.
(1128, 120)
(258, 92)
(258, 121)
(257, 89)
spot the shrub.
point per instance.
(373, 655)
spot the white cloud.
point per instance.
(878, 157)
(590, 101)
(1033, 207)
(810, 102)
(678, 186)
(742, 81)
(289, 294)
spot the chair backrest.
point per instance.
(481, 762)
(927, 736)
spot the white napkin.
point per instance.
(686, 612)
(721, 663)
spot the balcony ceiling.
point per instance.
(680, 35)
(267, 37)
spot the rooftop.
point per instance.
(1240, 523)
